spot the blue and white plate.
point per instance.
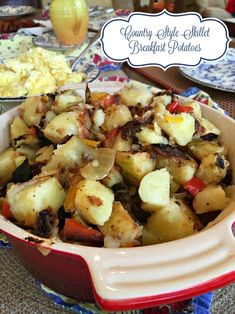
(9, 11)
(218, 74)
(49, 41)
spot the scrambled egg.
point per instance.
(37, 71)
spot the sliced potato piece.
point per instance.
(9, 161)
(28, 199)
(122, 227)
(212, 198)
(154, 190)
(67, 124)
(94, 201)
(201, 149)
(179, 127)
(170, 223)
(213, 168)
(134, 166)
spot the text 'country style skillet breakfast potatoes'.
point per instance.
(128, 169)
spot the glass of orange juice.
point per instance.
(69, 20)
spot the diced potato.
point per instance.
(148, 136)
(44, 154)
(9, 161)
(181, 166)
(65, 100)
(170, 223)
(154, 190)
(122, 227)
(201, 149)
(21, 134)
(210, 199)
(116, 116)
(32, 110)
(134, 166)
(135, 93)
(114, 177)
(121, 145)
(94, 201)
(67, 124)
(180, 127)
(26, 200)
(213, 168)
(69, 155)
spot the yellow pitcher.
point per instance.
(69, 20)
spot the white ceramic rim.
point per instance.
(168, 268)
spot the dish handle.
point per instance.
(160, 274)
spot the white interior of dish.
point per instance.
(126, 273)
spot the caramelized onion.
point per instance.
(100, 166)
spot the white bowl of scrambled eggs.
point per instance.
(35, 72)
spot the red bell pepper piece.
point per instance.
(75, 231)
(175, 107)
(6, 210)
(186, 109)
(110, 100)
(172, 107)
(110, 136)
(194, 186)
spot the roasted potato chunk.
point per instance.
(67, 124)
(66, 100)
(154, 190)
(179, 127)
(9, 161)
(205, 127)
(213, 168)
(94, 201)
(26, 200)
(180, 165)
(200, 149)
(122, 227)
(134, 165)
(134, 93)
(172, 222)
(212, 198)
(116, 116)
(69, 155)
(32, 110)
(20, 133)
